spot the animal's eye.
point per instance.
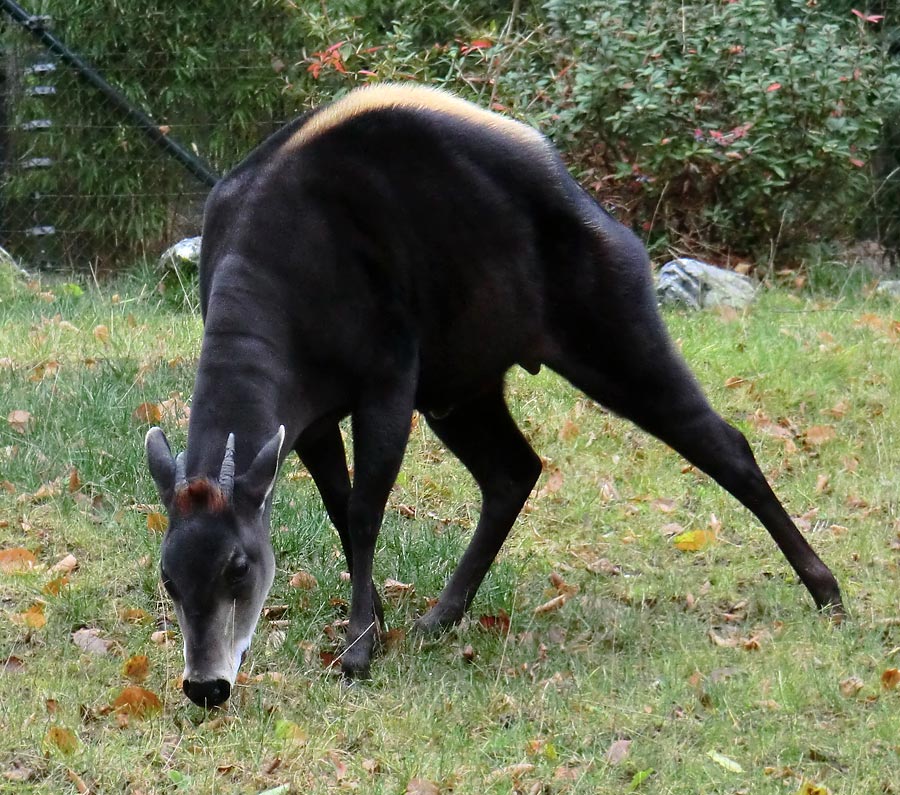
(238, 569)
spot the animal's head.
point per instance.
(217, 562)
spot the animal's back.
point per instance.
(407, 215)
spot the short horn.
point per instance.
(180, 476)
(226, 473)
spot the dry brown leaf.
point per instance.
(33, 617)
(851, 686)
(838, 410)
(137, 668)
(735, 381)
(101, 333)
(617, 752)
(137, 701)
(19, 773)
(394, 589)
(55, 586)
(157, 522)
(66, 565)
(304, 581)
(553, 604)
(553, 484)
(89, 641)
(513, 771)
(569, 431)
(149, 413)
(162, 637)
(74, 481)
(19, 420)
(16, 560)
(890, 678)
(422, 786)
(819, 434)
(823, 484)
(135, 615)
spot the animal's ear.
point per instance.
(161, 464)
(257, 482)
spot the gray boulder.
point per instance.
(697, 285)
(890, 288)
(184, 256)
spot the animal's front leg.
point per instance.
(380, 432)
(323, 456)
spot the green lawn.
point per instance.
(664, 671)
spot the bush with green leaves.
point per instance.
(727, 126)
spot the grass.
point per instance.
(685, 655)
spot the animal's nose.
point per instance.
(207, 694)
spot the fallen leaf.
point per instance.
(61, 738)
(157, 522)
(33, 617)
(281, 789)
(811, 788)
(19, 773)
(149, 413)
(12, 665)
(553, 484)
(135, 615)
(890, 678)
(65, 565)
(89, 641)
(291, 732)
(569, 431)
(19, 420)
(303, 580)
(74, 481)
(851, 686)
(16, 560)
(137, 668)
(394, 589)
(162, 637)
(55, 586)
(694, 540)
(101, 333)
(819, 434)
(617, 752)
(735, 381)
(499, 623)
(422, 786)
(553, 604)
(513, 771)
(137, 701)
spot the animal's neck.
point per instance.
(237, 388)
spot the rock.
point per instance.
(184, 256)
(12, 275)
(697, 285)
(890, 288)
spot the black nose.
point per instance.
(207, 694)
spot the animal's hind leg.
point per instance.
(485, 438)
(323, 455)
(660, 395)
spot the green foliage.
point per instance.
(669, 111)
(727, 125)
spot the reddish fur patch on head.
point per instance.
(200, 494)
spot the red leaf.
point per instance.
(874, 18)
(773, 87)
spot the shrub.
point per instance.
(725, 125)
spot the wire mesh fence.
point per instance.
(83, 183)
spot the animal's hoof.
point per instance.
(835, 611)
(437, 620)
